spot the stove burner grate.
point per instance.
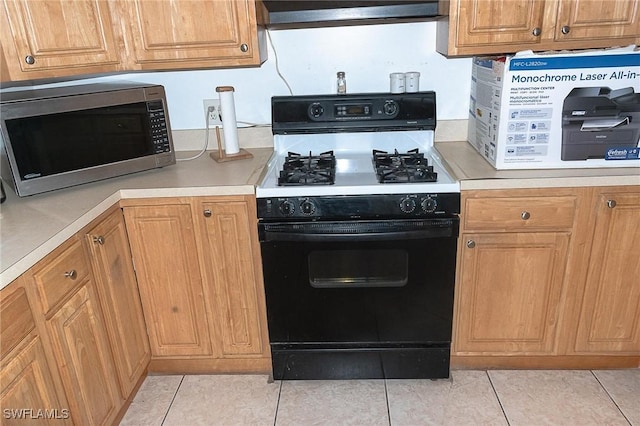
(308, 169)
(396, 167)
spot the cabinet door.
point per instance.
(48, 38)
(81, 349)
(231, 258)
(598, 20)
(509, 292)
(497, 22)
(610, 313)
(27, 385)
(120, 301)
(165, 254)
(192, 33)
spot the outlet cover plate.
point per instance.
(213, 117)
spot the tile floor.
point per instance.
(497, 397)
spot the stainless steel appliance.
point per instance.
(358, 222)
(59, 137)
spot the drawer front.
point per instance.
(16, 320)
(519, 213)
(62, 272)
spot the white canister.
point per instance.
(397, 82)
(412, 81)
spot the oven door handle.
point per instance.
(359, 231)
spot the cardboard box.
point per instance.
(577, 109)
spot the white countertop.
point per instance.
(31, 227)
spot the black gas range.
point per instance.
(358, 223)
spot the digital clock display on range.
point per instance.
(353, 110)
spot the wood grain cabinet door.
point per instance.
(496, 22)
(162, 239)
(81, 348)
(48, 38)
(585, 20)
(610, 314)
(509, 293)
(120, 300)
(230, 258)
(191, 33)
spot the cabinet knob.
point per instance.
(99, 240)
(30, 59)
(471, 243)
(525, 215)
(611, 203)
(207, 213)
(536, 31)
(244, 47)
(71, 274)
(565, 29)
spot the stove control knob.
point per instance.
(390, 107)
(407, 205)
(287, 208)
(307, 208)
(429, 205)
(316, 110)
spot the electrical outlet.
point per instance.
(212, 116)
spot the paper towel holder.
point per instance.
(221, 157)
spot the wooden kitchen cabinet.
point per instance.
(77, 333)
(479, 27)
(26, 380)
(59, 38)
(117, 289)
(198, 270)
(52, 38)
(609, 309)
(192, 34)
(512, 259)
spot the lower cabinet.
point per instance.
(117, 289)
(548, 278)
(64, 286)
(198, 267)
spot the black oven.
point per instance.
(360, 298)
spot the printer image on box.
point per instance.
(598, 122)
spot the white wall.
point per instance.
(309, 60)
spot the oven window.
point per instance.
(358, 268)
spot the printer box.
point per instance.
(579, 109)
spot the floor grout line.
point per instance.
(610, 397)
(495, 392)
(172, 399)
(386, 397)
(275, 418)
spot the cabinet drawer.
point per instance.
(16, 320)
(60, 273)
(519, 213)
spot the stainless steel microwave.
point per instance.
(59, 137)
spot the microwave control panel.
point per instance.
(158, 122)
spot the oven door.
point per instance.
(359, 290)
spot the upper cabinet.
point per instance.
(56, 38)
(191, 34)
(477, 27)
(43, 39)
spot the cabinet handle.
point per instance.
(30, 59)
(471, 243)
(565, 29)
(536, 31)
(207, 213)
(611, 203)
(99, 240)
(525, 215)
(244, 47)
(71, 274)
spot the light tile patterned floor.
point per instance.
(497, 397)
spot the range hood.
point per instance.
(306, 13)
